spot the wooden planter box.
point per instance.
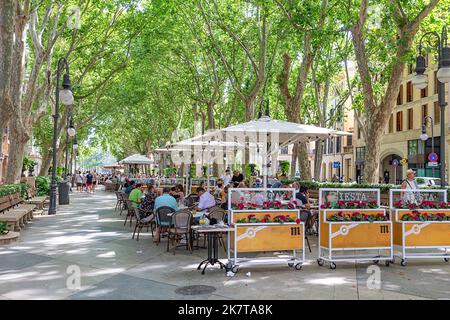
(421, 233)
(354, 234)
(273, 236)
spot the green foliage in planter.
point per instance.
(311, 185)
(23, 190)
(284, 167)
(28, 164)
(42, 186)
(8, 189)
(193, 170)
(248, 170)
(3, 228)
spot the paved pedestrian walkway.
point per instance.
(88, 237)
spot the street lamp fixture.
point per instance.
(64, 95)
(71, 130)
(424, 136)
(420, 81)
(75, 144)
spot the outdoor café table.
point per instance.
(212, 233)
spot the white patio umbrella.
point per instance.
(273, 135)
(201, 144)
(136, 159)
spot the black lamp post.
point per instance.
(420, 81)
(66, 97)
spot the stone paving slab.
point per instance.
(125, 287)
(51, 280)
(18, 260)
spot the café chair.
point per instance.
(142, 220)
(180, 229)
(130, 211)
(163, 220)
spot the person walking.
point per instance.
(89, 182)
(409, 184)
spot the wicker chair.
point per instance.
(119, 202)
(181, 229)
(191, 200)
(124, 197)
(163, 220)
(130, 211)
(218, 214)
(142, 220)
(305, 216)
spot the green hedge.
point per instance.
(311, 185)
(8, 189)
(384, 188)
(42, 186)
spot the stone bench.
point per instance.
(39, 201)
(15, 213)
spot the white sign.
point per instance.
(433, 164)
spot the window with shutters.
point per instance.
(424, 111)
(400, 121)
(409, 92)
(410, 118)
(400, 96)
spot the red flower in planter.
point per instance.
(266, 204)
(280, 218)
(277, 204)
(291, 205)
(241, 206)
(263, 220)
(297, 221)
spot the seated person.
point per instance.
(148, 203)
(180, 190)
(218, 188)
(303, 196)
(136, 195)
(166, 200)
(173, 192)
(224, 198)
(130, 187)
(206, 200)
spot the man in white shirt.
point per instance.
(206, 200)
(226, 178)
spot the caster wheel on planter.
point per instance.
(332, 266)
(387, 263)
(298, 266)
(234, 269)
(403, 263)
(446, 259)
(320, 262)
(376, 261)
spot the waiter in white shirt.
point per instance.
(206, 200)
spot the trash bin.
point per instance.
(63, 192)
